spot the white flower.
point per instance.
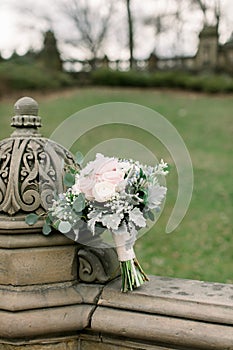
(125, 166)
(121, 186)
(103, 191)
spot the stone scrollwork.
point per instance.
(5, 161)
(30, 171)
(31, 167)
(97, 265)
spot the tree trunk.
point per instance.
(131, 33)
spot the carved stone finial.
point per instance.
(26, 114)
(31, 169)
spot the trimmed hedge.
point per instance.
(30, 77)
(211, 83)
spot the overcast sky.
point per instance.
(19, 31)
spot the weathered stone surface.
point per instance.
(212, 302)
(98, 265)
(33, 240)
(49, 295)
(162, 329)
(100, 342)
(42, 322)
(56, 345)
(38, 265)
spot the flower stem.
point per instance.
(132, 275)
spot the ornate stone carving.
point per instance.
(31, 167)
(30, 171)
(97, 265)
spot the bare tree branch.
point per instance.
(91, 27)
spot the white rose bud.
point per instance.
(103, 191)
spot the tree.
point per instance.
(91, 23)
(130, 33)
(211, 8)
(49, 55)
(166, 20)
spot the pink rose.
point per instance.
(86, 185)
(102, 169)
(108, 170)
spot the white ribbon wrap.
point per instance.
(124, 249)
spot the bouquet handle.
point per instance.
(132, 274)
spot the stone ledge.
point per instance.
(46, 296)
(42, 322)
(103, 342)
(167, 312)
(35, 240)
(194, 300)
(160, 330)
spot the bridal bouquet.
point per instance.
(112, 194)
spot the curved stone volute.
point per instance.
(31, 169)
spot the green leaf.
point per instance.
(79, 203)
(31, 219)
(49, 218)
(79, 158)
(142, 175)
(64, 227)
(73, 171)
(56, 224)
(46, 229)
(69, 179)
(151, 215)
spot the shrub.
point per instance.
(30, 77)
(211, 83)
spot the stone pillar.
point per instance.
(42, 302)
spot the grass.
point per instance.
(201, 247)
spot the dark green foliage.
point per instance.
(170, 79)
(30, 76)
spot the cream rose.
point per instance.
(103, 191)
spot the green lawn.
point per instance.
(202, 246)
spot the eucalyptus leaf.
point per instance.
(49, 218)
(69, 179)
(64, 227)
(79, 203)
(46, 229)
(31, 219)
(79, 158)
(151, 215)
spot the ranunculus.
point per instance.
(103, 191)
